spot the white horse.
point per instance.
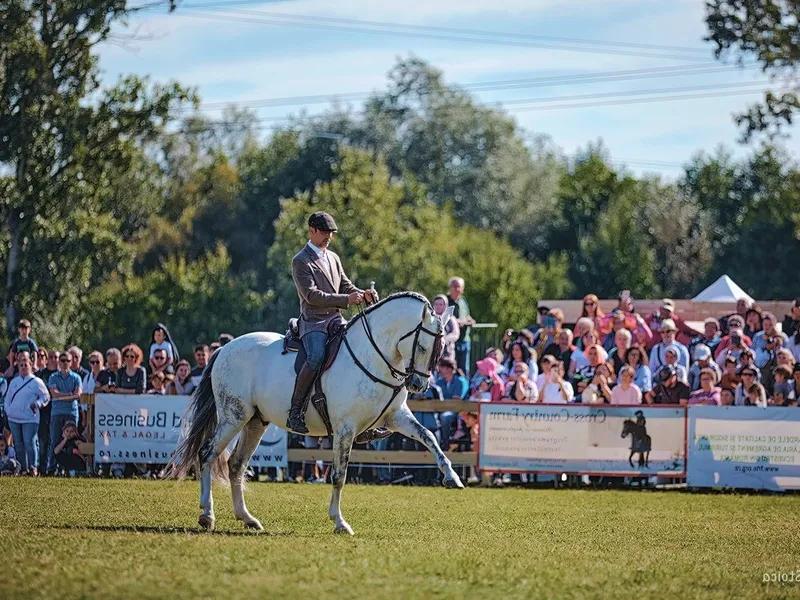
(248, 383)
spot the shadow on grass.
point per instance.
(169, 530)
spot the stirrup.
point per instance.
(296, 423)
(371, 435)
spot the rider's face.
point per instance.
(320, 238)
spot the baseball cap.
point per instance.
(668, 325)
(322, 221)
(668, 304)
(702, 352)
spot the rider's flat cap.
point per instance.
(322, 221)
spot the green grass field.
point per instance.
(138, 539)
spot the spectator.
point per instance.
(157, 386)
(708, 393)
(668, 332)
(132, 378)
(549, 333)
(201, 353)
(767, 341)
(9, 465)
(793, 345)
(669, 390)
(616, 354)
(454, 387)
(42, 359)
(556, 390)
(182, 384)
(796, 381)
(24, 343)
(25, 398)
(711, 335)
(791, 322)
(98, 376)
(702, 360)
(626, 392)
(591, 308)
(756, 396)
(224, 338)
(610, 338)
(521, 353)
(632, 320)
(65, 391)
(736, 326)
(465, 323)
(595, 356)
(67, 454)
(562, 349)
(579, 360)
(742, 306)
(597, 390)
(161, 340)
(159, 363)
(666, 313)
(521, 387)
(50, 367)
(451, 329)
(748, 359)
(782, 388)
(541, 313)
(643, 378)
(731, 376)
(726, 396)
(547, 364)
(671, 354)
(113, 365)
(735, 347)
(748, 376)
(753, 322)
(491, 381)
(213, 347)
(583, 326)
(76, 355)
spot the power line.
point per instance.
(253, 17)
(225, 4)
(577, 79)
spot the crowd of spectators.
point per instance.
(42, 419)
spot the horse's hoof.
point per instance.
(343, 528)
(454, 483)
(254, 524)
(206, 522)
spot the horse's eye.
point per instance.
(422, 348)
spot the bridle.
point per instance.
(402, 377)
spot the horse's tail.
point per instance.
(199, 426)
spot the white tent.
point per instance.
(723, 289)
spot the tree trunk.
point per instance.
(12, 270)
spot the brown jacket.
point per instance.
(322, 299)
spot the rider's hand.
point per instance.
(371, 296)
(355, 298)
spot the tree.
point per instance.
(769, 32)
(62, 150)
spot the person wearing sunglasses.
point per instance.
(748, 375)
(65, 390)
(132, 377)
(98, 377)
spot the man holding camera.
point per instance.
(767, 342)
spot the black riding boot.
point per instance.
(302, 385)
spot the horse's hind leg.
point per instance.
(237, 464)
(342, 444)
(213, 457)
(403, 421)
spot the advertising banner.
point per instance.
(146, 429)
(576, 438)
(744, 447)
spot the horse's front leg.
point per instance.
(342, 444)
(630, 458)
(403, 421)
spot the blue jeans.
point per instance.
(26, 443)
(314, 344)
(56, 423)
(462, 356)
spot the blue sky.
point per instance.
(235, 61)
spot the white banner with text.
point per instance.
(146, 429)
(576, 438)
(744, 447)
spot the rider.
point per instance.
(324, 291)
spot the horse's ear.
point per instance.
(448, 313)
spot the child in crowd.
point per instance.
(8, 459)
(730, 376)
(67, 454)
(756, 396)
(157, 386)
(161, 340)
(782, 389)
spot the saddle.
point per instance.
(293, 343)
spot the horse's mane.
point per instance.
(395, 296)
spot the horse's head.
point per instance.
(422, 348)
(628, 427)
